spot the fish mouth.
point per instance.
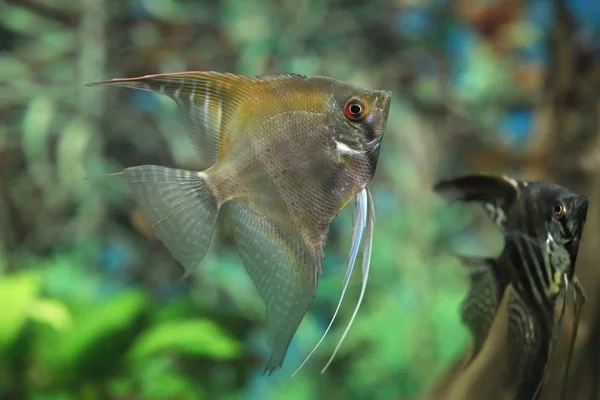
(579, 216)
(581, 207)
(384, 99)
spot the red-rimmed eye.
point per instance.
(558, 211)
(354, 110)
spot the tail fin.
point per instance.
(181, 208)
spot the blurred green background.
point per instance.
(91, 304)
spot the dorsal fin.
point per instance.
(281, 75)
(497, 192)
(208, 101)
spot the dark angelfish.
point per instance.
(542, 224)
(286, 153)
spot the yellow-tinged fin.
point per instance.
(208, 100)
(282, 75)
(180, 207)
(284, 268)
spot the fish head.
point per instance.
(358, 117)
(569, 212)
(565, 213)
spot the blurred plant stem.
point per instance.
(92, 55)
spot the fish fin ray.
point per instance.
(481, 304)
(359, 223)
(497, 192)
(207, 101)
(526, 355)
(579, 299)
(366, 264)
(179, 206)
(284, 270)
(282, 75)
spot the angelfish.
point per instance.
(542, 225)
(286, 153)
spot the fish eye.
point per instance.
(558, 211)
(354, 110)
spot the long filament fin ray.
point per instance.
(367, 248)
(360, 221)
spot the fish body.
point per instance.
(542, 224)
(285, 153)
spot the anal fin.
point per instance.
(527, 348)
(284, 266)
(483, 299)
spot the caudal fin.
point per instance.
(181, 208)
